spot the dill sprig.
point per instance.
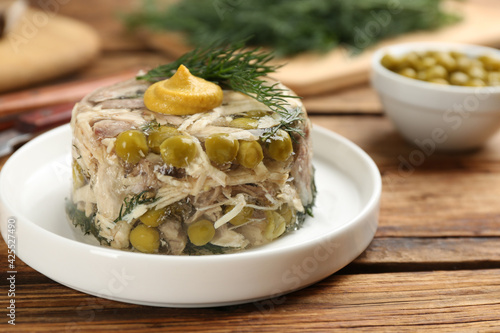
(150, 126)
(217, 63)
(233, 67)
(287, 123)
(129, 204)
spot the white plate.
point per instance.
(36, 180)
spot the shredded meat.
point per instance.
(302, 171)
(207, 198)
(226, 195)
(229, 238)
(124, 89)
(256, 193)
(111, 128)
(127, 103)
(172, 233)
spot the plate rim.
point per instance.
(371, 205)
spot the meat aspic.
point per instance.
(239, 179)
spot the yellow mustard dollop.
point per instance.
(183, 94)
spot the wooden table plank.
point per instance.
(396, 254)
(438, 301)
(431, 202)
(356, 100)
(447, 195)
(403, 254)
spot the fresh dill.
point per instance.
(239, 69)
(129, 204)
(206, 249)
(314, 191)
(84, 222)
(292, 26)
(294, 116)
(78, 151)
(150, 126)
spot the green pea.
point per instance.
(464, 63)
(477, 73)
(390, 62)
(456, 55)
(221, 149)
(201, 232)
(280, 148)
(475, 82)
(256, 113)
(287, 212)
(411, 60)
(408, 72)
(430, 53)
(437, 71)
(490, 63)
(275, 226)
(145, 239)
(250, 154)
(131, 146)
(448, 68)
(244, 123)
(422, 75)
(160, 134)
(153, 217)
(494, 78)
(447, 61)
(487, 62)
(459, 78)
(476, 63)
(428, 62)
(178, 151)
(243, 216)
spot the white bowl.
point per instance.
(36, 179)
(433, 116)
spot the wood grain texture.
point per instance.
(311, 74)
(448, 301)
(407, 254)
(360, 99)
(441, 195)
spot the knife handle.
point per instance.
(44, 118)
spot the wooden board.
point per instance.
(43, 46)
(311, 74)
(440, 301)
(359, 99)
(427, 194)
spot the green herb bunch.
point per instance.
(293, 26)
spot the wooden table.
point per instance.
(434, 264)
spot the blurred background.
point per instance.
(53, 52)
